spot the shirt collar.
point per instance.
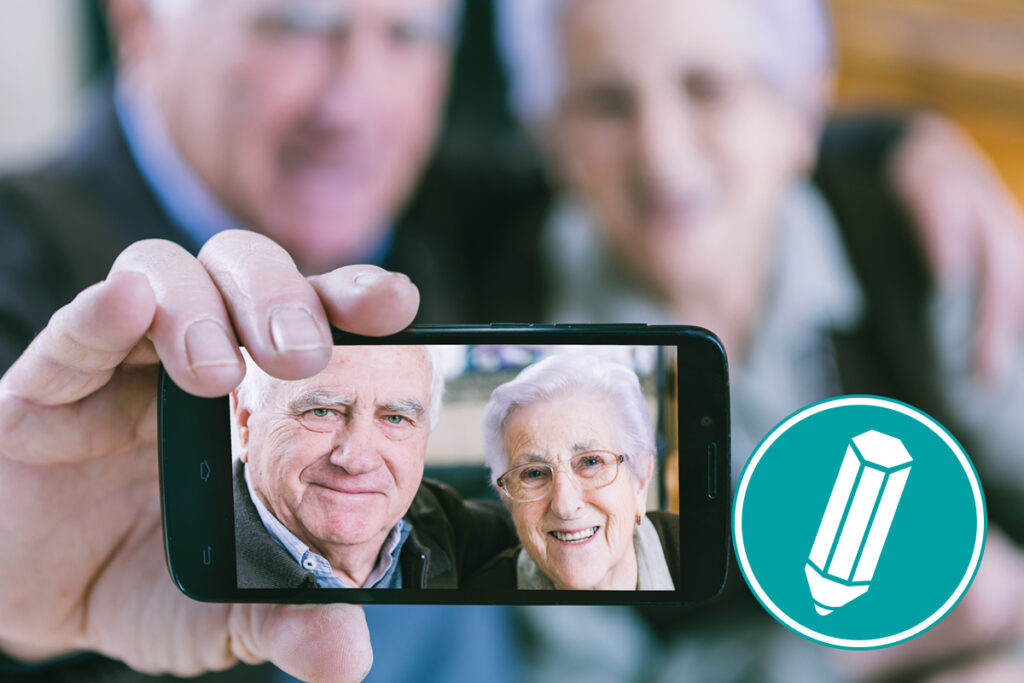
(385, 574)
(181, 193)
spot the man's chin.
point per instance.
(328, 239)
(346, 531)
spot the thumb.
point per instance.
(317, 643)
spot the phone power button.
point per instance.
(712, 470)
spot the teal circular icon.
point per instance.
(859, 522)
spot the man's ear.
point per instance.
(240, 418)
(131, 28)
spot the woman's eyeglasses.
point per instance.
(535, 480)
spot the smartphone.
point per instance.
(503, 463)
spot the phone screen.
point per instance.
(471, 472)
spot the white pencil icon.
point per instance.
(856, 520)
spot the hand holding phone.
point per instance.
(81, 551)
(315, 490)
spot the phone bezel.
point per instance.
(197, 496)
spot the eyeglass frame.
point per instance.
(500, 481)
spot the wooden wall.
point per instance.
(962, 57)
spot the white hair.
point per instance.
(793, 46)
(257, 389)
(562, 374)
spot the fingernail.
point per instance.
(207, 345)
(371, 278)
(293, 329)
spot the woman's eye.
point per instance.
(532, 473)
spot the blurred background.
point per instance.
(963, 58)
(485, 188)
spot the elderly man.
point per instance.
(306, 120)
(329, 486)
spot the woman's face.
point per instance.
(581, 539)
(667, 131)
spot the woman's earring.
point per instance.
(638, 519)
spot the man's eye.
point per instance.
(320, 412)
(395, 419)
(706, 87)
(605, 101)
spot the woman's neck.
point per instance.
(730, 309)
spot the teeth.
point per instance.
(578, 536)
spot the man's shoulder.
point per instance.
(467, 532)
(260, 560)
(88, 202)
(665, 522)
(63, 222)
(667, 526)
(438, 498)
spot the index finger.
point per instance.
(84, 342)
(282, 317)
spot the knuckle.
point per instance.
(241, 245)
(149, 253)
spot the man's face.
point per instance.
(309, 119)
(338, 457)
(667, 131)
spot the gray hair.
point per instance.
(794, 46)
(258, 387)
(557, 376)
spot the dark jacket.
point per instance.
(450, 539)
(500, 573)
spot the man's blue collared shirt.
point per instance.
(180, 193)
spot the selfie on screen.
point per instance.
(489, 467)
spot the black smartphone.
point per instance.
(503, 463)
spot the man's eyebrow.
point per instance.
(304, 15)
(318, 398)
(436, 23)
(407, 406)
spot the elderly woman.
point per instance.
(571, 449)
(683, 134)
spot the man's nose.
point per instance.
(353, 79)
(566, 495)
(354, 448)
